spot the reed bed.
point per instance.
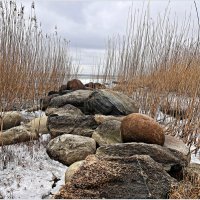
(31, 62)
(157, 62)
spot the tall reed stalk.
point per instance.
(31, 62)
(158, 59)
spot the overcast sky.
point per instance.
(87, 24)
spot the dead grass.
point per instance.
(188, 188)
(31, 62)
(157, 63)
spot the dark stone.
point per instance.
(44, 102)
(108, 102)
(173, 161)
(52, 92)
(70, 120)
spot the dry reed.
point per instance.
(31, 62)
(157, 63)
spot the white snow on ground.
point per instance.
(27, 171)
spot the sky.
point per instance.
(88, 24)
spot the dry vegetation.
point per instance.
(31, 62)
(189, 187)
(158, 64)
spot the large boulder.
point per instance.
(17, 135)
(108, 133)
(70, 120)
(171, 160)
(73, 84)
(141, 128)
(68, 149)
(38, 125)
(75, 98)
(108, 102)
(136, 177)
(11, 119)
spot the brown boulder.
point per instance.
(141, 128)
(75, 84)
(95, 85)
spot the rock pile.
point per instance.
(112, 150)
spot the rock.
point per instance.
(65, 110)
(172, 161)
(95, 85)
(44, 102)
(39, 125)
(102, 118)
(76, 98)
(141, 128)
(11, 119)
(108, 133)
(73, 84)
(136, 177)
(72, 169)
(68, 149)
(17, 135)
(108, 102)
(177, 144)
(70, 120)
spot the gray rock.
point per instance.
(76, 98)
(108, 102)
(11, 119)
(174, 143)
(173, 161)
(64, 111)
(70, 120)
(108, 133)
(17, 135)
(135, 177)
(68, 149)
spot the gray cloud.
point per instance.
(87, 24)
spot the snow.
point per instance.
(27, 171)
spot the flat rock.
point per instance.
(68, 149)
(76, 98)
(11, 119)
(70, 120)
(108, 133)
(108, 102)
(17, 135)
(64, 111)
(135, 177)
(173, 161)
